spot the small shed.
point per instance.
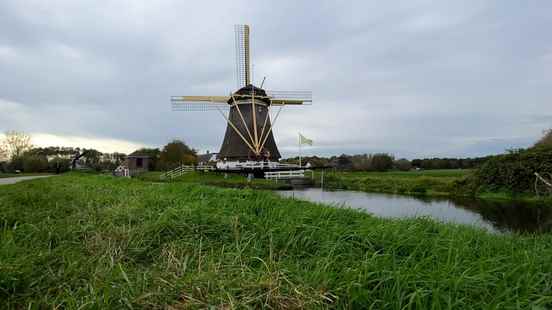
(137, 163)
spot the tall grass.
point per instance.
(97, 242)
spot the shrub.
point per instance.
(514, 171)
(546, 140)
(402, 164)
(382, 162)
(35, 163)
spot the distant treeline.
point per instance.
(18, 154)
(449, 163)
(59, 159)
(385, 162)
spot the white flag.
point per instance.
(304, 140)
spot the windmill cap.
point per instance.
(249, 91)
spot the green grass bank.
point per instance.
(232, 180)
(425, 182)
(96, 242)
(448, 182)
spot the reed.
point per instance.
(89, 241)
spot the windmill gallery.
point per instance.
(248, 144)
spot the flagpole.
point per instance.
(299, 149)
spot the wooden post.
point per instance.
(299, 149)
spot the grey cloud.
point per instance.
(414, 77)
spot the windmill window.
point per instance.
(139, 162)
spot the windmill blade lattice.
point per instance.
(182, 103)
(296, 96)
(243, 76)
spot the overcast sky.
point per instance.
(413, 78)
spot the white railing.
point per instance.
(252, 165)
(287, 174)
(205, 168)
(181, 170)
(178, 171)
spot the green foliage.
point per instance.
(402, 164)
(176, 153)
(448, 163)
(381, 162)
(363, 162)
(98, 242)
(513, 172)
(35, 163)
(546, 140)
(59, 165)
(315, 161)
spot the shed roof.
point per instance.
(138, 154)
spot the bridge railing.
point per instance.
(285, 174)
(183, 169)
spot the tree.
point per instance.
(3, 154)
(344, 162)
(177, 153)
(34, 163)
(403, 164)
(546, 140)
(382, 162)
(15, 144)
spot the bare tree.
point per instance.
(3, 154)
(15, 144)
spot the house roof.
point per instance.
(206, 157)
(136, 154)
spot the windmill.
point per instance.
(248, 142)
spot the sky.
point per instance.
(411, 78)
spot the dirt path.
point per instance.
(13, 180)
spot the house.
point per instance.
(137, 163)
(207, 158)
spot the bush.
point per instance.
(382, 162)
(546, 140)
(35, 163)
(403, 165)
(514, 171)
(59, 165)
(4, 167)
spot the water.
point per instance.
(502, 216)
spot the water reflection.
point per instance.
(497, 216)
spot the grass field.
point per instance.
(96, 242)
(426, 182)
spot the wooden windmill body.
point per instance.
(248, 142)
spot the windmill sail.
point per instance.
(243, 68)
